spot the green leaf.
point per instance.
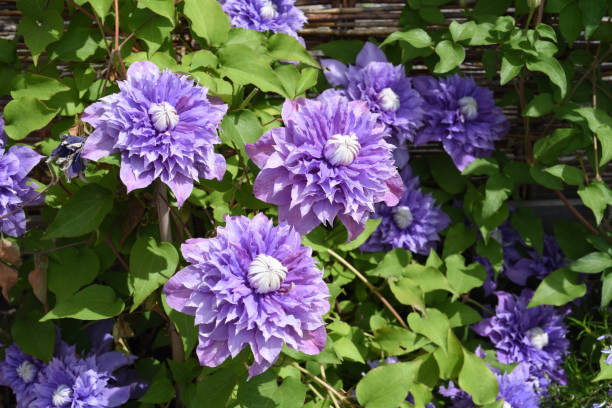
(36, 86)
(529, 226)
(151, 265)
(570, 22)
(245, 66)
(161, 389)
(600, 123)
(477, 379)
(546, 31)
(32, 336)
(407, 292)
(592, 13)
(461, 278)
(24, 115)
(597, 196)
(458, 239)
(162, 7)
(560, 142)
(446, 174)
(544, 178)
(202, 59)
(432, 14)
(541, 105)
(216, 388)
(427, 277)
(70, 269)
(594, 262)
(95, 302)
(487, 8)
(417, 37)
(605, 369)
(569, 174)
(393, 263)
(461, 32)
(606, 289)
(263, 391)
(344, 51)
(284, 47)
(38, 32)
(497, 190)
(459, 314)
(207, 20)
(395, 340)
(151, 28)
(83, 212)
(346, 349)
(241, 127)
(370, 227)
(101, 7)
(558, 288)
(482, 166)
(451, 55)
(450, 361)
(434, 326)
(566, 233)
(551, 68)
(79, 43)
(385, 386)
(512, 63)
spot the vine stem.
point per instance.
(165, 232)
(117, 48)
(328, 387)
(576, 213)
(595, 147)
(330, 393)
(370, 286)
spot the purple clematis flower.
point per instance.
(413, 224)
(254, 285)
(516, 388)
(280, 16)
(385, 88)
(535, 336)
(163, 125)
(69, 381)
(330, 159)
(461, 115)
(19, 372)
(15, 192)
(608, 351)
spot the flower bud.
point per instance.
(534, 3)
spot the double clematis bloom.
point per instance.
(385, 88)
(535, 336)
(330, 159)
(15, 192)
(163, 125)
(19, 371)
(280, 16)
(254, 285)
(461, 115)
(413, 224)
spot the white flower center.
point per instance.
(469, 107)
(538, 337)
(341, 150)
(268, 10)
(26, 371)
(506, 405)
(61, 395)
(266, 274)
(389, 100)
(402, 216)
(163, 115)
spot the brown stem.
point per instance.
(177, 217)
(595, 147)
(323, 383)
(332, 396)
(47, 251)
(523, 103)
(117, 49)
(370, 286)
(576, 213)
(117, 255)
